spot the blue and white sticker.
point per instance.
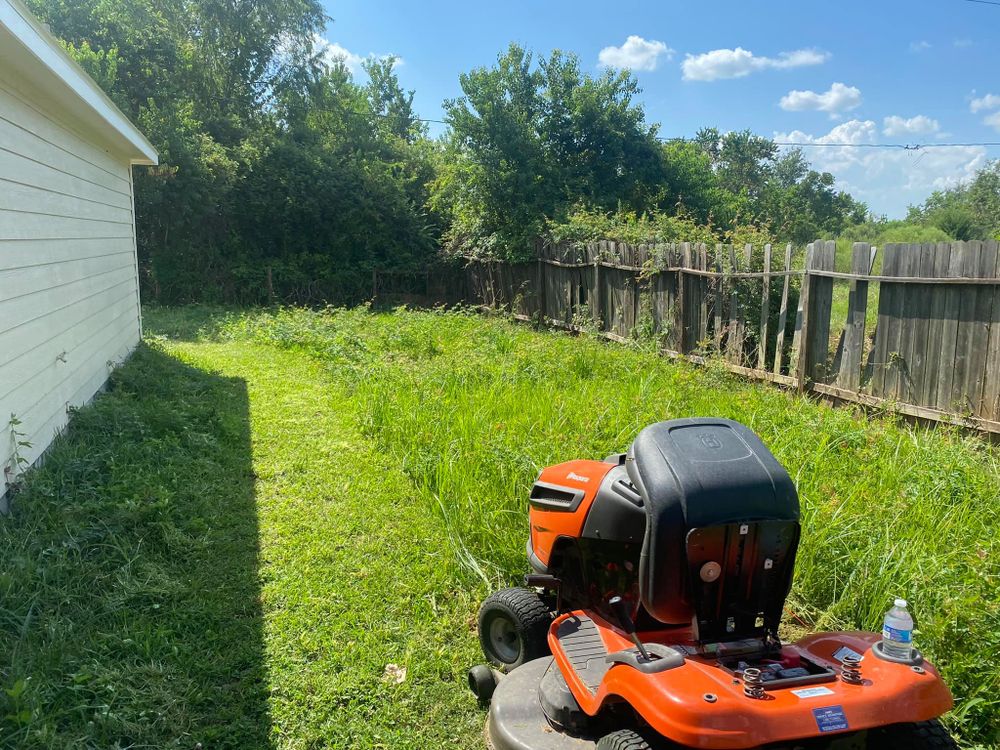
(830, 719)
(813, 692)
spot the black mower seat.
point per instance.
(693, 474)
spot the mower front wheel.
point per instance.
(626, 739)
(922, 735)
(513, 628)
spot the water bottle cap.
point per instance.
(901, 603)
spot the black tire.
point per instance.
(513, 628)
(922, 735)
(482, 682)
(624, 739)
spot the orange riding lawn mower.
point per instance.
(651, 618)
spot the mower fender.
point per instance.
(701, 704)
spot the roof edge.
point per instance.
(43, 45)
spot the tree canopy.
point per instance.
(282, 178)
(968, 211)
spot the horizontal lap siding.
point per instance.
(68, 286)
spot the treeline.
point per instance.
(284, 179)
(281, 178)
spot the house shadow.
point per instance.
(130, 607)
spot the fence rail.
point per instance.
(922, 336)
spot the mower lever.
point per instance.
(620, 610)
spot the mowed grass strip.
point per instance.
(215, 557)
(471, 408)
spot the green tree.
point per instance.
(533, 140)
(389, 102)
(968, 211)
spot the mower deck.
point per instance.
(516, 720)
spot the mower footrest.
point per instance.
(584, 649)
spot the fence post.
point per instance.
(734, 341)
(779, 341)
(680, 318)
(817, 299)
(717, 300)
(598, 314)
(765, 309)
(539, 252)
(853, 338)
(802, 329)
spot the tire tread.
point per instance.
(532, 615)
(921, 735)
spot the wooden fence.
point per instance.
(921, 336)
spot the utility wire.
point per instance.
(902, 146)
(984, 2)
(682, 139)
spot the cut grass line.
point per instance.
(354, 574)
(259, 563)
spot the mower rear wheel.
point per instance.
(626, 739)
(922, 735)
(514, 627)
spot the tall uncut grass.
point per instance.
(473, 408)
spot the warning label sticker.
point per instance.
(813, 692)
(830, 719)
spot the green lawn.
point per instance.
(269, 508)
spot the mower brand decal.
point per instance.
(843, 651)
(830, 719)
(813, 692)
(577, 477)
(710, 441)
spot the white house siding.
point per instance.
(69, 304)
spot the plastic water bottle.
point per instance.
(897, 631)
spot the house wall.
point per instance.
(69, 304)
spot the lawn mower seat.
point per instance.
(721, 528)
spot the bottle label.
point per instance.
(899, 636)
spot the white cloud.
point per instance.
(917, 125)
(736, 63)
(993, 120)
(920, 46)
(636, 54)
(888, 179)
(987, 101)
(839, 98)
(333, 52)
(963, 43)
(852, 132)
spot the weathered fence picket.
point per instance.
(779, 345)
(934, 351)
(765, 309)
(851, 349)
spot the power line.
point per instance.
(900, 146)
(984, 2)
(903, 146)
(682, 139)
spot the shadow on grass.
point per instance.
(130, 611)
(188, 322)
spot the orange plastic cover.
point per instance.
(702, 705)
(548, 525)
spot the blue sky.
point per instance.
(871, 72)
